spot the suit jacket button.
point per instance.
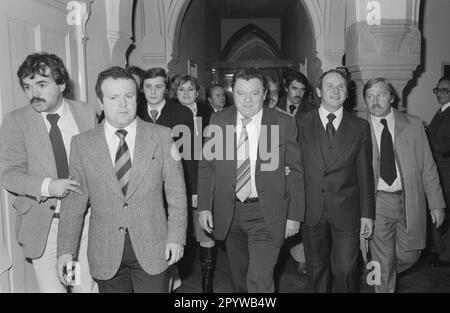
(125, 206)
(121, 229)
(52, 207)
(323, 190)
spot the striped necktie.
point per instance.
(243, 185)
(123, 161)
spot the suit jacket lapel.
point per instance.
(265, 137)
(104, 164)
(144, 150)
(375, 151)
(230, 119)
(41, 143)
(315, 126)
(344, 138)
(400, 124)
(79, 116)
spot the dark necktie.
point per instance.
(331, 131)
(154, 115)
(123, 161)
(292, 108)
(387, 157)
(59, 151)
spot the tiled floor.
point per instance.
(419, 279)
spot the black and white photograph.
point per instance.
(226, 153)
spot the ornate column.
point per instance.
(383, 41)
(156, 30)
(119, 29)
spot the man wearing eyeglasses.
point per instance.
(439, 137)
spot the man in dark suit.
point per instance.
(298, 92)
(123, 167)
(167, 113)
(245, 197)
(340, 204)
(439, 135)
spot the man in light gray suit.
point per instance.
(34, 148)
(123, 166)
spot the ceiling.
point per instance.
(250, 8)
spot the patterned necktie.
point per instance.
(331, 131)
(123, 161)
(387, 157)
(59, 151)
(292, 108)
(154, 115)
(243, 184)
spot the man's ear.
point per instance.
(62, 87)
(100, 102)
(319, 92)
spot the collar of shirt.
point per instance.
(157, 107)
(255, 119)
(445, 107)
(113, 140)
(193, 108)
(378, 127)
(323, 114)
(62, 112)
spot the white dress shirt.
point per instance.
(68, 128)
(113, 140)
(323, 114)
(378, 128)
(445, 107)
(253, 131)
(158, 108)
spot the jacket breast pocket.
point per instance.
(22, 205)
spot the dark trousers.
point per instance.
(132, 278)
(441, 236)
(251, 253)
(331, 255)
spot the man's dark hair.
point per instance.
(370, 83)
(156, 72)
(250, 73)
(293, 75)
(136, 70)
(40, 64)
(211, 88)
(115, 72)
(336, 71)
(447, 78)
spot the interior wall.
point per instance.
(270, 25)
(298, 37)
(199, 40)
(97, 50)
(436, 51)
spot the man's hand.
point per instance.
(60, 188)
(174, 252)
(63, 260)
(206, 221)
(366, 227)
(194, 201)
(292, 228)
(437, 217)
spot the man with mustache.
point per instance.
(34, 148)
(297, 89)
(405, 179)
